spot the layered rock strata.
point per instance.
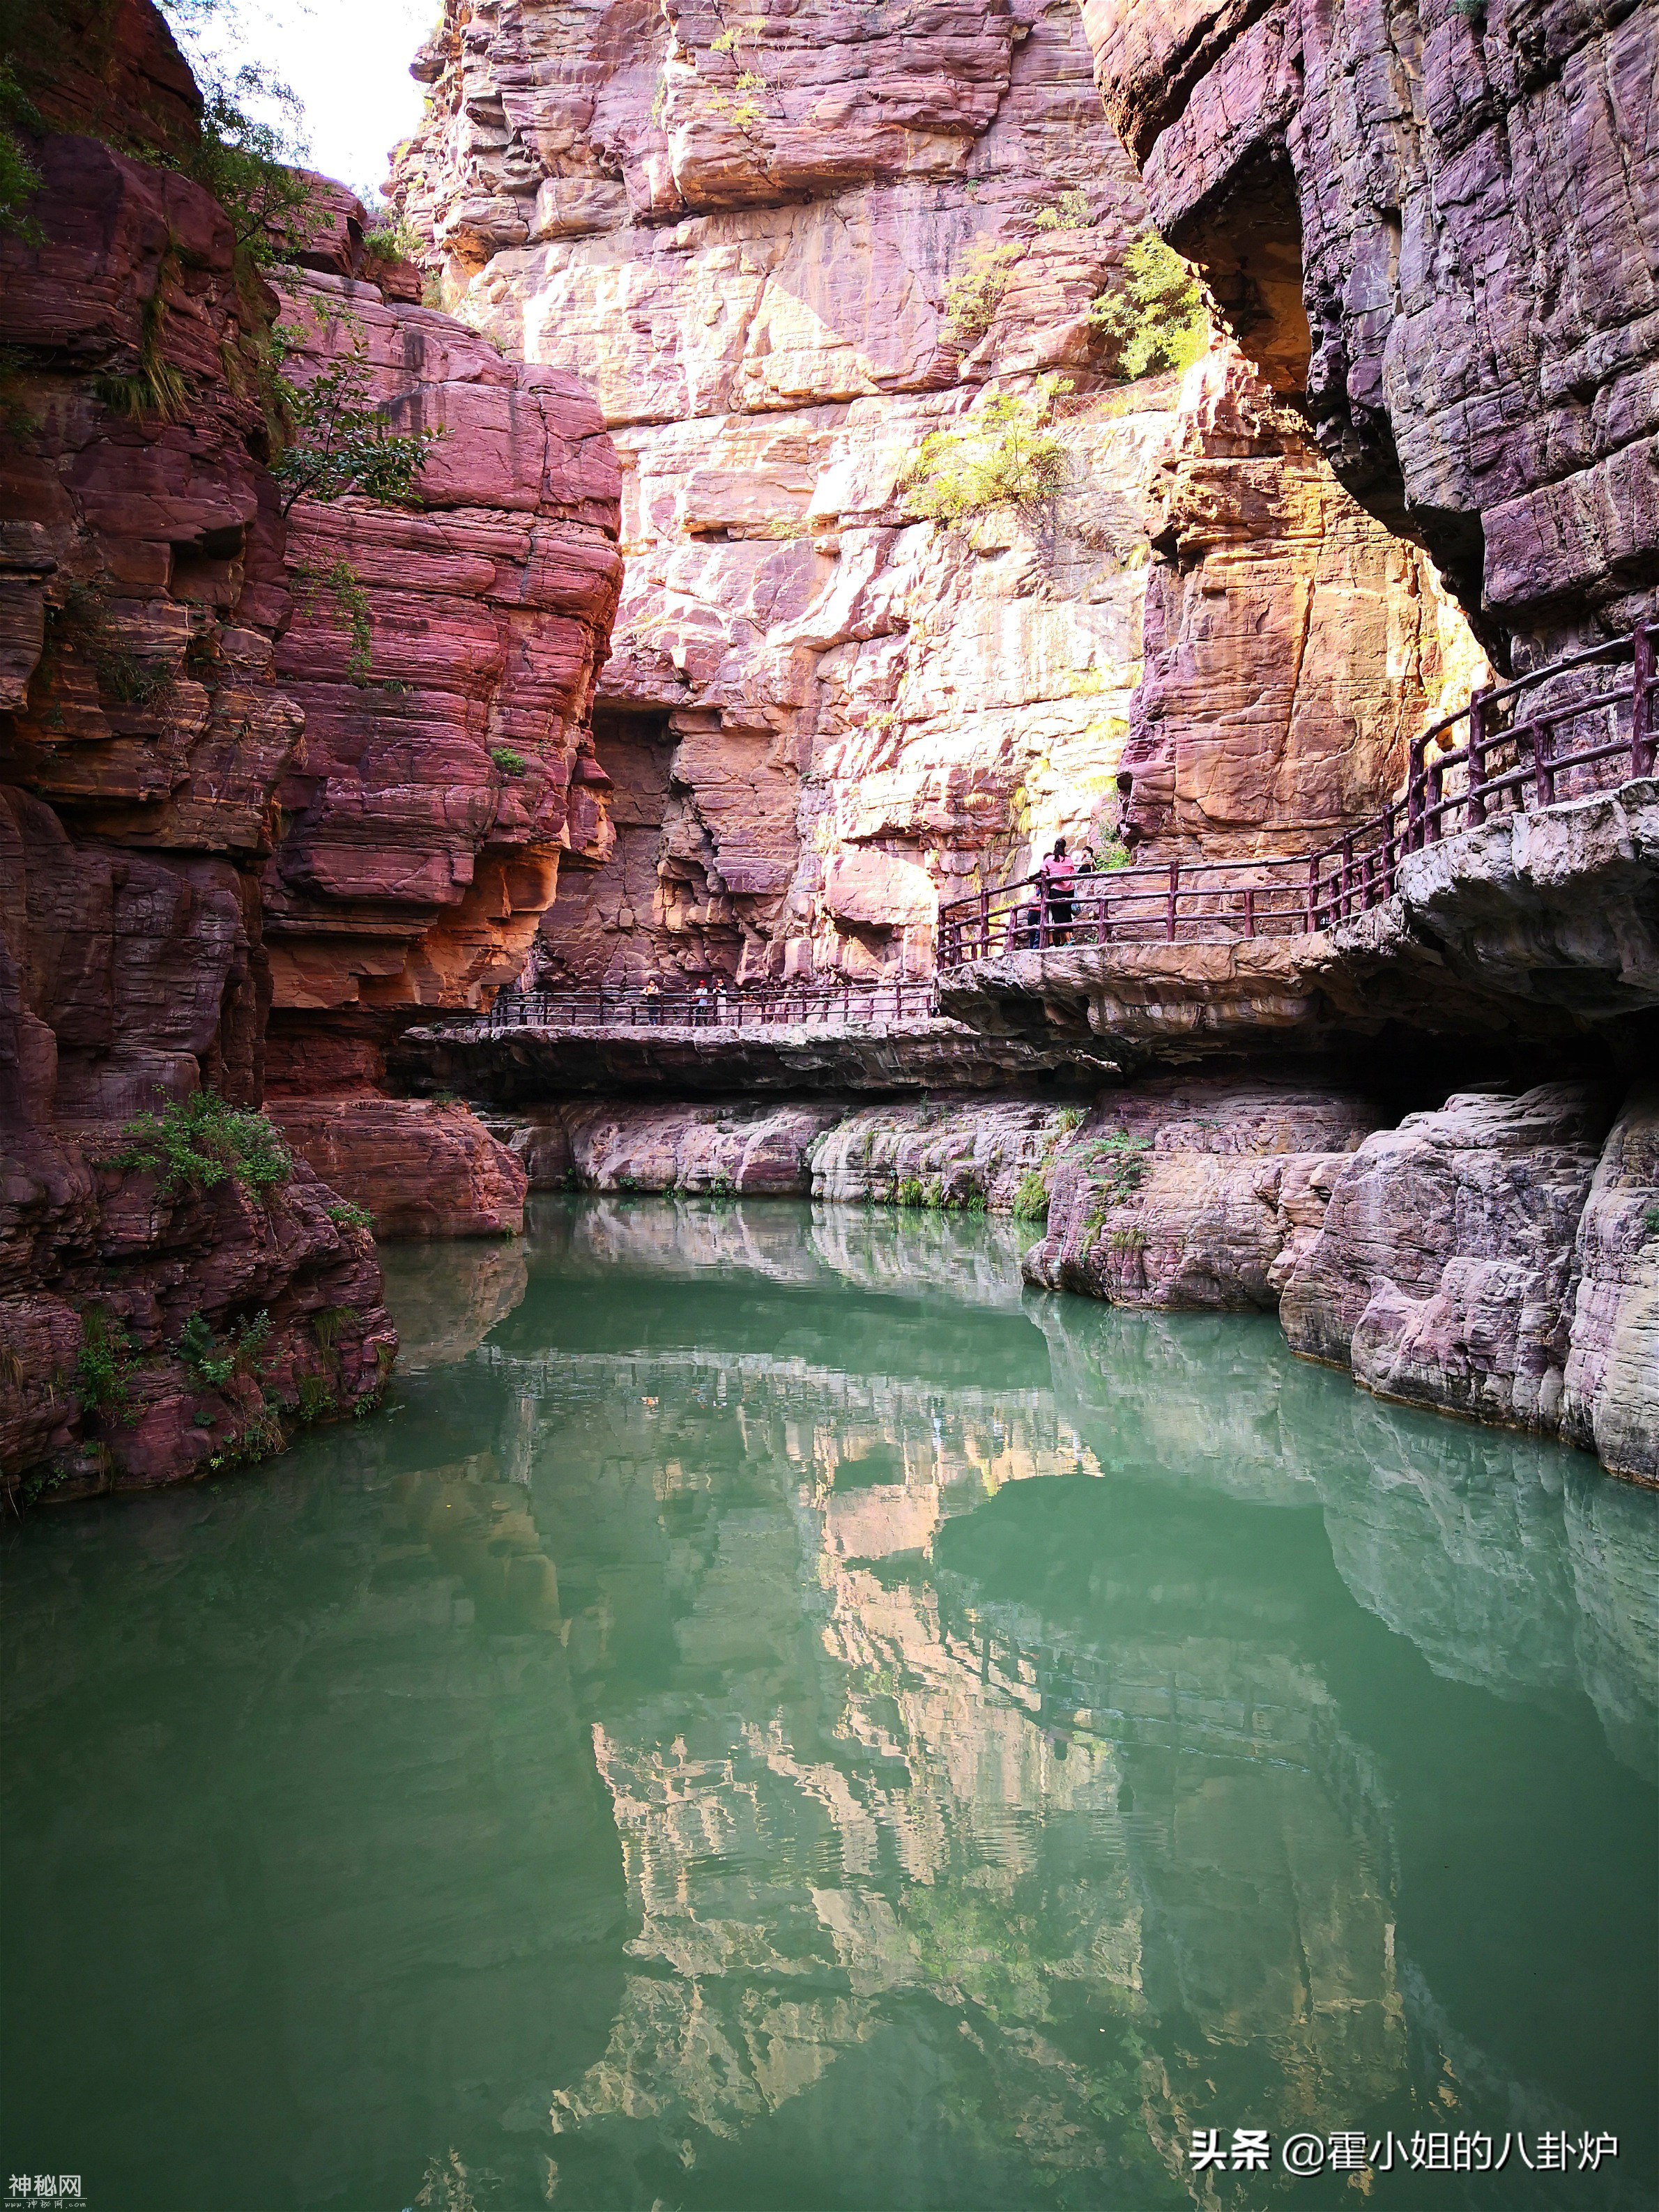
(143, 738)
(1459, 1264)
(328, 755)
(823, 715)
(447, 764)
(1435, 225)
(421, 1168)
(444, 656)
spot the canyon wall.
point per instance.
(1435, 225)
(209, 799)
(822, 715)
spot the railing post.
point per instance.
(1414, 794)
(1643, 721)
(1313, 896)
(1474, 802)
(1344, 903)
(1173, 905)
(1543, 762)
(1250, 910)
(985, 924)
(1435, 778)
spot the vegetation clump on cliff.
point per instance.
(1009, 454)
(197, 1143)
(19, 178)
(342, 441)
(976, 285)
(1156, 318)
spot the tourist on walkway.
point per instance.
(700, 1004)
(1058, 873)
(653, 995)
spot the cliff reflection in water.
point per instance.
(781, 1717)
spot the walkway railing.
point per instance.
(752, 1007)
(1546, 736)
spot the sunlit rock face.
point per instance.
(1293, 647)
(1434, 222)
(821, 717)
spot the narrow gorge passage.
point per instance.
(774, 1713)
(830, 1105)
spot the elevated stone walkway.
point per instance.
(1558, 733)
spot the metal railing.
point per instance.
(1507, 761)
(628, 1007)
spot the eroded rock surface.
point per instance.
(1437, 224)
(153, 1326)
(1610, 1398)
(420, 1168)
(943, 1153)
(1171, 1194)
(822, 716)
(1443, 1271)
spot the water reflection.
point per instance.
(782, 1717)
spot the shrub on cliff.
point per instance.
(197, 1143)
(1031, 1199)
(1156, 318)
(1069, 212)
(102, 1364)
(976, 284)
(19, 178)
(214, 1360)
(342, 441)
(1008, 454)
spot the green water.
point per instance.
(777, 1716)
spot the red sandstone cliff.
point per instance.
(1436, 223)
(196, 800)
(823, 715)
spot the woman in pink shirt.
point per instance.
(1057, 873)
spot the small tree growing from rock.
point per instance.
(976, 285)
(1156, 317)
(1007, 454)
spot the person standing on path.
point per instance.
(1058, 873)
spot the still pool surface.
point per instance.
(775, 1716)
